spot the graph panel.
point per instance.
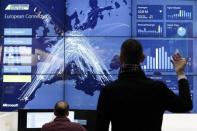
(172, 12)
(179, 12)
(149, 29)
(159, 52)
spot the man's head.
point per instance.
(61, 109)
(131, 52)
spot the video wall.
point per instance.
(53, 50)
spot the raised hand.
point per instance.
(179, 63)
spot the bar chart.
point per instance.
(159, 54)
(161, 61)
(149, 29)
(180, 12)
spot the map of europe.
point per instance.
(74, 38)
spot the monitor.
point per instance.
(38, 119)
(34, 119)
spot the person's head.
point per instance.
(131, 52)
(61, 109)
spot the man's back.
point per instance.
(134, 102)
(62, 124)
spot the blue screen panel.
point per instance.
(159, 52)
(93, 55)
(177, 29)
(179, 12)
(176, 16)
(82, 92)
(150, 29)
(33, 17)
(99, 17)
(48, 55)
(150, 12)
(32, 55)
(33, 94)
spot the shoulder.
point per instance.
(47, 125)
(69, 125)
(77, 126)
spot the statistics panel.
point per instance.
(17, 56)
(32, 55)
(150, 12)
(177, 18)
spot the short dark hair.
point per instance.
(61, 108)
(131, 50)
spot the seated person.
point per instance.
(61, 122)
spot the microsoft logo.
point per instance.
(17, 7)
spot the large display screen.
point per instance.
(53, 50)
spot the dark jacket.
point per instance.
(137, 103)
(62, 124)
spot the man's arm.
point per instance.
(103, 118)
(182, 102)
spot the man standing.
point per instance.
(136, 103)
(61, 122)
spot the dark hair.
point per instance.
(61, 110)
(131, 50)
